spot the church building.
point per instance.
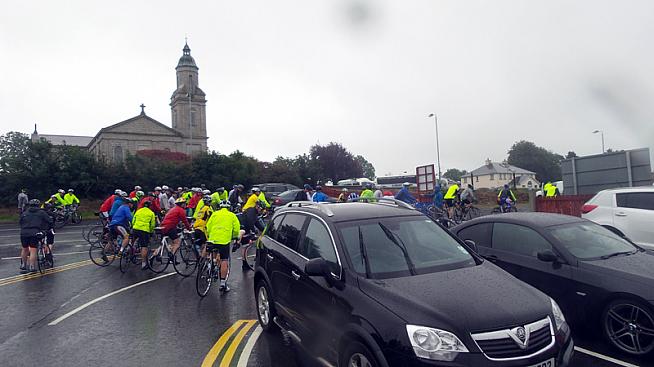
(188, 133)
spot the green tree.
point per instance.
(367, 167)
(527, 155)
(334, 162)
(454, 174)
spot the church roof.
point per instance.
(137, 117)
(73, 140)
(186, 59)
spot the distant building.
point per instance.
(493, 175)
(187, 135)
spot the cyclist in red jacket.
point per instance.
(174, 217)
(108, 203)
(154, 202)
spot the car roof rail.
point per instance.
(310, 204)
(397, 202)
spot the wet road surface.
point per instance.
(79, 314)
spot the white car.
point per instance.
(628, 212)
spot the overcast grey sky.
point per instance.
(365, 73)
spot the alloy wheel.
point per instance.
(358, 360)
(263, 305)
(630, 327)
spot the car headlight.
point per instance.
(559, 319)
(436, 344)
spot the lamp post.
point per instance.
(602, 133)
(438, 152)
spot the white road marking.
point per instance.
(606, 358)
(247, 350)
(57, 243)
(56, 255)
(18, 228)
(80, 308)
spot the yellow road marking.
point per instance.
(217, 348)
(20, 278)
(229, 354)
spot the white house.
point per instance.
(493, 175)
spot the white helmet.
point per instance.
(406, 184)
(206, 192)
(61, 191)
(137, 188)
(117, 191)
(164, 187)
(196, 189)
(344, 189)
(157, 188)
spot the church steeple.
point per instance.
(188, 103)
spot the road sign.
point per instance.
(425, 178)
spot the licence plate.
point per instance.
(548, 363)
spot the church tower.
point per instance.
(188, 104)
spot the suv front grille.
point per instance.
(505, 344)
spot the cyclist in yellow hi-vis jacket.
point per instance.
(222, 228)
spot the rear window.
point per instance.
(290, 229)
(397, 247)
(288, 194)
(636, 200)
(588, 240)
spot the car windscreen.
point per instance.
(401, 246)
(587, 241)
(288, 195)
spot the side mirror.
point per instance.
(547, 256)
(316, 267)
(472, 245)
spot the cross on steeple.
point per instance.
(142, 109)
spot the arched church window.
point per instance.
(118, 153)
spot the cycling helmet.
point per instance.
(206, 192)
(34, 202)
(318, 188)
(133, 201)
(61, 191)
(241, 187)
(256, 189)
(180, 189)
(225, 204)
(220, 189)
(53, 196)
(117, 191)
(206, 199)
(307, 187)
(196, 189)
(123, 194)
(344, 189)
(157, 188)
(407, 184)
(180, 201)
(71, 190)
(140, 193)
(164, 187)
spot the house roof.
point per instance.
(73, 140)
(522, 180)
(495, 167)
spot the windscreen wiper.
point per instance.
(393, 237)
(364, 253)
(617, 254)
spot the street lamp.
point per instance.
(438, 152)
(602, 133)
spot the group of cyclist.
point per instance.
(37, 221)
(210, 216)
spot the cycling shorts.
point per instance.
(173, 234)
(29, 241)
(223, 250)
(141, 237)
(118, 230)
(200, 237)
(449, 202)
(49, 236)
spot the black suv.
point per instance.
(379, 284)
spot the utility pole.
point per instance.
(438, 152)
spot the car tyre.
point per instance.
(628, 325)
(265, 309)
(357, 354)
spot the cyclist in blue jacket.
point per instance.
(405, 195)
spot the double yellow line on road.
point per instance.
(240, 326)
(57, 269)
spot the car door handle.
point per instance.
(492, 258)
(295, 275)
(270, 257)
(620, 214)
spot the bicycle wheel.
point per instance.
(40, 260)
(513, 209)
(102, 252)
(186, 259)
(158, 259)
(474, 212)
(251, 255)
(126, 258)
(93, 233)
(203, 278)
(60, 221)
(76, 217)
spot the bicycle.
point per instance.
(131, 255)
(160, 257)
(208, 271)
(93, 231)
(66, 215)
(103, 252)
(249, 249)
(508, 207)
(42, 261)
